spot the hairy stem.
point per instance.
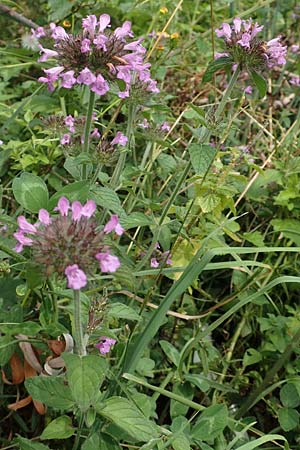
(78, 331)
(87, 129)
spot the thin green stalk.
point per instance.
(78, 331)
(255, 396)
(122, 158)
(11, 253)
(78, 433)
(87, 129)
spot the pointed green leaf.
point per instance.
(202, 156)
(260, 83)
(214, 66)
(60, 428)
(52, 391)
(27, 444)
(129, 418)
(85, 376)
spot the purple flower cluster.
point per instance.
(104, 344)
(74, 128)
(69, 243)
(95, 56)
(160, 258)
(242, 35)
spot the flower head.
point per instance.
(104, 344)
(96, 56)
(69, 243)
(243, 46)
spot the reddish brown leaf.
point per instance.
(17, 369)
(40, 407)
(21, 403)
(57, 347)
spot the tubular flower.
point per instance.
(95, 57)
(243, 46)
(68, 243)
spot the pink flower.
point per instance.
(69, 122)
(86, 77)
(114, 225)
(66, 139)
(87, 210)
(154, 263)
(76, 277)
(295, 80)
(23, 240)
(58, 33)
(248, 90)
(104, 21)
(120, 139)
(105, 344)
(63, 206)
(26, 227)
(38, 32)
(224, 31)
(221, 55)
(52, 75)
(245, 40)
(95, 134)
(124, 30)
(108, 263)
(68, 79)
(85, 46)
(100, 85)
(46, 54)
(165, 126)
(100, 41)
(44, 217)
(294, 48)
(237, 23)
(89, 23)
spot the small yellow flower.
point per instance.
(160, 48)
(67, 23)
(175, 35)
(163, 10)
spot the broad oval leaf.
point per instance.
(129, 418)
(52, 391)
(60, 428)
(31, 192)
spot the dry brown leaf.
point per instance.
(17, 369)
(57, 347)
(21, 403)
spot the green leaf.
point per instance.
(107, 198)
(255, 237)
(60, 428)
(121, 311)
(59, 9)
(288, 418)
(27, 444)
(177, 407)
(30, 192)
(181, 442)
(52, 391)
(85, 376)
(290, 228)
(198, 381)
(171, 352)
(99, 442)
(214, 66)
(251, 356)
(202, 156)
(289, 396)
(28, 328)
(259, 82)
(129, 418)
(211, 423)
(6, 349)
(136, 219)
(255, 444)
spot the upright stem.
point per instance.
(78, 332)
(122, 158)
(87, 129)
(184, 174)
